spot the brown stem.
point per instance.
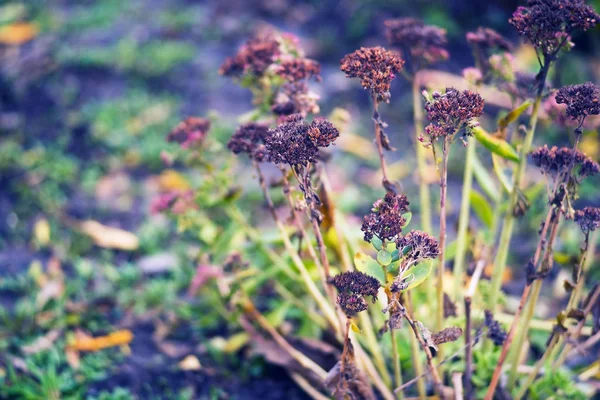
(379, 140)
(439, 387)
(442, 239)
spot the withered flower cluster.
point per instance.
(451, 112)
(420, 245)
(386, 220)
(581, 100)
(352, 287)
(421, 44)
(295, 96)
(376, 67)
(295, 142)
(254, 57)
(588, 219)
(495, 331)
(298, 69)
(485, 42)
(190, 132)
(556, 162)
(547, 24)
(250, 139)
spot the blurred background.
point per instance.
(88, 92)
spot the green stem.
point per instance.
(536, 369)
(374, 347)
(414, 347)
(397, 369)
(463, 222)
(442, 241)
(509, 219)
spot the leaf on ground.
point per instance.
(18, 33)
(190, 363)
(41, 232)
(109, 237)
(85, 342)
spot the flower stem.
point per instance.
(442, 241)
(379, 140)
(396, 358)
(509, 219)
(463, 222)
(414, 347)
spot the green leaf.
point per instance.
(384, 258)
(496, 145)
(407, 216)
(377, 243)
(419, 273)
(482, 208)
(367, 265)
(513, 115)
(501, 170)
(484, 179)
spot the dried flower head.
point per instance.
(352, 287)
(386, 220)
(488, 39)
(581, 100)
(250, 138)
(253, 58)
(190, 132)
(495, 331)
(486, 43)
(295, 142)
(298, 69)
(451, 334)
(547, 24)
(588, 219)
(376, 68)
(556, 162)
(417, 246)
(452, 111)
(422, 44)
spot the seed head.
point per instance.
(451, 111)
(581, 100)
(557, 161)
(351, 303)
(295, 142)
(375, 66)
(495, 331)
(356, 282)
(298, 69)
(488, 39)
(250, 139)
(191, 132)
(425, 44)
(253, 58)
(547, 24)
(386, 220)
(588, 219)
(421, 246)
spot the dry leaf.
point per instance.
(41, 232)
(190, 363)
(42, 343)
(84, 342)
(17, 33)
(109, 237)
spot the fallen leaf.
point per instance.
(190, 363)
(42, 343)
(73, 358)
(18, 33)
(41, 232)
(85, 342)
(109, 237)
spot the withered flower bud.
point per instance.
(588, 219)
(423, 44)
(295, 142)
(495, 331)
(250, 138)
(375, 66)
(386, 220)
(420, 246)
(253, 58)
(191, 132)
(351, 303)
(555, 161)
(451, 334)
(581, 100)
(547, 24)
(356, 282)
(451, 112)
(352, 287)
(298, 69)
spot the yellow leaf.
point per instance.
(355, 327)
(41, 232)
(109, 237)
(190, 363)
(172, 180)
(18, 33)
(84, 342)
